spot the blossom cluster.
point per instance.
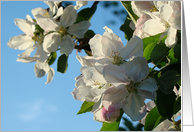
(157, 17)
(115, 77)
(49, 30)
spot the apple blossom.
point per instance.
(110, 49)
(129, 87)
(60, 31)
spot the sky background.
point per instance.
(27, 103)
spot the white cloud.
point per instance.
(37, 110)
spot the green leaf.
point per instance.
(175, 54)
(89, 34)
(126, 29)
(62, 63)
(86, 14)
(165, 103)
(52, 58)
(128, 7)
(112, 126)
(159, 53)
(148, 45)
(167, 80)
(86, 107)
(152, 119)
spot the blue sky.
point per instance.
(27, 103)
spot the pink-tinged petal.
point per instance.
(137, 69)
(166, 12)
(115, 75)
(51, 42)
(96, 46)
(139, 6)
(135, 107)
(79, 29)
(68, 17)
(50, 75)
(148, 88)
(114, 98)
(175, 20)
(27, 28)
(133, 48)
(67, 45)
(109, 116)
(171, 39)
(20, 42)
(153, 27)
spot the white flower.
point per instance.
(130, 86)
(167, 22)
(110, 49)
(62, 29)
(25, 40)
(79, 4)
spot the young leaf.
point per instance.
(86, 107)
(62, 63)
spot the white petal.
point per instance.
(79, 29)
(171, 38)
(166, 12)
(26, 27)
(148, 88)
(67, 45)
(87, 60)
(175, 20)
(115, 75)
(20, 42)
(39, 72)
(51, 42)
(153, 27)
(79, 93)
(28, 51)
(94, 95)
(135, 107)
(114, 98)
(137, 68)
(80, 4)
(133, 48)
(26, 59)
(96, 46)
(68, 17)
(41, 54)
(50, 75)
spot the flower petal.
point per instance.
(79, 29)
(165, 12)
(133, 48)
(135, 107)
(51, 42)
(96, 46)
(171, 39)
(50, 75)
(136, 68)
(153, 27)
(68, 17)
(148, 88)
(20, 42)
(67, 45)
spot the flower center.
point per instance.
(100, 85)
(131, 87)
(165, 23)
(153, 9)
(117, 59)
(63, 31)
(46, 14)
(38, 38)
